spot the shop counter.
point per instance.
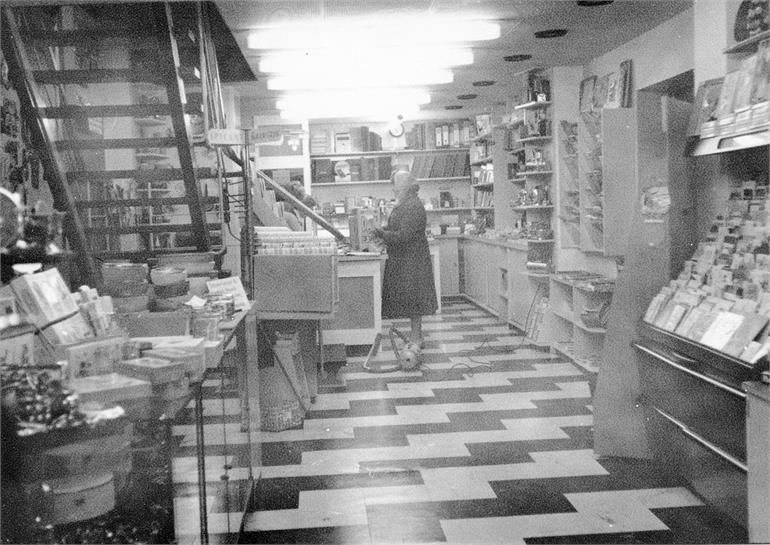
(358, 317)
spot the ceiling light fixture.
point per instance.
(468, 96)
(517, 58)
(385, 59)
(593, 3)
(551, 33)
(345, 79)
(377, 32)
(453, 107)
(483, 83)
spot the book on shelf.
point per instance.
(726, 97)
(760, 91)
(359, 138)
(744, 84)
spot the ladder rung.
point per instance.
(109, 203)
(157, 228)
(117, 143)
(89, 36)
(101, 75)
(125, 110)
(141, 175)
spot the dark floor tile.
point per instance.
(339, 534)
(701, 525)
(283, 493)
(660, 536)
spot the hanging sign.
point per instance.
(225, 137)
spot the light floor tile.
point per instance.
(610, 512)
(513, 400)
(433, 445)
(472, 482)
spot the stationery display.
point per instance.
(721, 298)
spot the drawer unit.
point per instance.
(695, 416)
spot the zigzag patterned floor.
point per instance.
(489, 442)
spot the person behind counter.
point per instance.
(408, 290)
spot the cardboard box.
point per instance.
(110, 388)
(91, 357)
(151, 324)
(295, 283)
(153, 370)
(193, 360)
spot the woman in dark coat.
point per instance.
(408, 290)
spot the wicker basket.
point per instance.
(284, 416)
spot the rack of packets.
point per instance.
(721, 298)
(284, 241)
(294, 272)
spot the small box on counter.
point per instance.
(92, 357)
(110, 388)
(194, 360)
(153, 370)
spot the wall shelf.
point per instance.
(532, 105)
(482, 161)
(537, 172)
(530, 139)
(361, 182)
(749, 45)
(354, 154)
(534, 207)
(447, 179)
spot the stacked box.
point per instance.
(168, 378)
(193, 360)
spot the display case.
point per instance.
(695, 413)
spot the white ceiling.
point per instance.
(592, 31)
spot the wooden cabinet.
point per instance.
(449, 264)
(695, 416)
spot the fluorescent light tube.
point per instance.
(358, 79)
(381, 32)
(386, 58)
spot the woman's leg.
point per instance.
(416, 336)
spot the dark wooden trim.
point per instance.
(122, 110)
(168, 62)
(117, 143)
(102, 75)
(156, 228)
(140, 175)
(116, 203)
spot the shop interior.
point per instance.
(194, 346)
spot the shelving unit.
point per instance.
(569, 188)
(444, 175)
(571, 294)
(532, 205)
(607, 175)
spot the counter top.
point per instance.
(372, 257)
(519, 244)
(757, 389)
